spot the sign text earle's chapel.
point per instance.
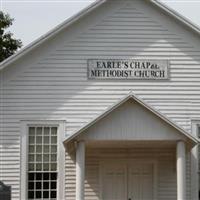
(128, 69)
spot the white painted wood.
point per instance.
(195, 164)
(127, 179)
(24, 159)
(181, 170)
(51, 83)
(131, 97)
(80, 170)
(95, 157)
(114, 181)
(131, 121)
(61, 160)
(141, 181)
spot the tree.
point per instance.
(8, 44)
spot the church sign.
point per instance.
(128, 69)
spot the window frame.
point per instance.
(25, 124)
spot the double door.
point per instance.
(128, 181)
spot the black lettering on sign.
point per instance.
(128, 69)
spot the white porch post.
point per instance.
(80, 170)
(181, 170)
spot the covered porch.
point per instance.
(130, 152)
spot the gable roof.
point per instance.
(82, 13)
(148, 107)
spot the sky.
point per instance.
(33, 18)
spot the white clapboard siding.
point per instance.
(165, 158)
(52, 83)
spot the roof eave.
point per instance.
(50, 34)
(180, 18)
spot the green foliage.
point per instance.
(8, 45)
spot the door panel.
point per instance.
(114, 182)
(133, 181)
(140, 181)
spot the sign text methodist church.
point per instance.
(128, 69)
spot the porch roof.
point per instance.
(194, 140)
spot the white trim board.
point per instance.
(194, 163)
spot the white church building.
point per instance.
(106, 106)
